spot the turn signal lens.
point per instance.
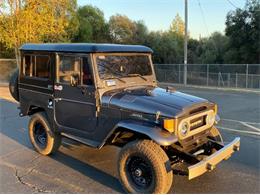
(169, 125)
(215, 108)
(211, 117)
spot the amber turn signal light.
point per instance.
(215, 108)
(169, 125)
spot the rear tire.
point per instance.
(144, 167)
(42, 138)
(13, 85)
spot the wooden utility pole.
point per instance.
(185, 44)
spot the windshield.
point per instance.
(122, 65)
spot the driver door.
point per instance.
(75, 103)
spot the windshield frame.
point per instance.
(101, 83)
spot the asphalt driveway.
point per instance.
(79, 169)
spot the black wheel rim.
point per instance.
(140, 172)
(40, 135)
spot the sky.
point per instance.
(204, 16)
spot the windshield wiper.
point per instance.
(118, 78)
(137, 75)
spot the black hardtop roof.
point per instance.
(85, 47)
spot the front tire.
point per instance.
(42, 138)
(215, 135)
(144, 167)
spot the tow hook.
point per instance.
(210, 167)
(236, 148)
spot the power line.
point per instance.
(231, 3)
(205, 24)
(203, 17)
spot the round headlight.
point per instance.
(211, 118)
(184, 128)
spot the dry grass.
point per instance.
(6, 69)
(5, 94)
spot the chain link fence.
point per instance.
(214, 75)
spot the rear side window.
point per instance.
(37, 66)
(28, 66)
(42, 68)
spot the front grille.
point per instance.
(197, 122)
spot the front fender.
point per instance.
(161, 137)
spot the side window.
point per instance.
(69, 66)
(37, 66)
(86, 73)
(42, 68)
(28, 66)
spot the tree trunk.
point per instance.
(17, 56)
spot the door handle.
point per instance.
(58, 87)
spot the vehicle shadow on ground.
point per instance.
(9, 113)
(89, 171)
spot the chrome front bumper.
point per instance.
(210, 162)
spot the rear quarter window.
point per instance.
(37, 66)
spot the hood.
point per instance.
(150, 100)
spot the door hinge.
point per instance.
(97, 104)
(97, 110)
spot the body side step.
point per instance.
(82, 140)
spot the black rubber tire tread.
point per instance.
(158, 159)
(216, 136)
(53, 139)
(13, 85)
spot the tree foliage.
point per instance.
(121, 29)
(240, 44)
(92, 25)
(178, 26)
(141, 33)
(61, 20)
(243, 31)
(35, 21)
(167, 46)
(211, 50)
